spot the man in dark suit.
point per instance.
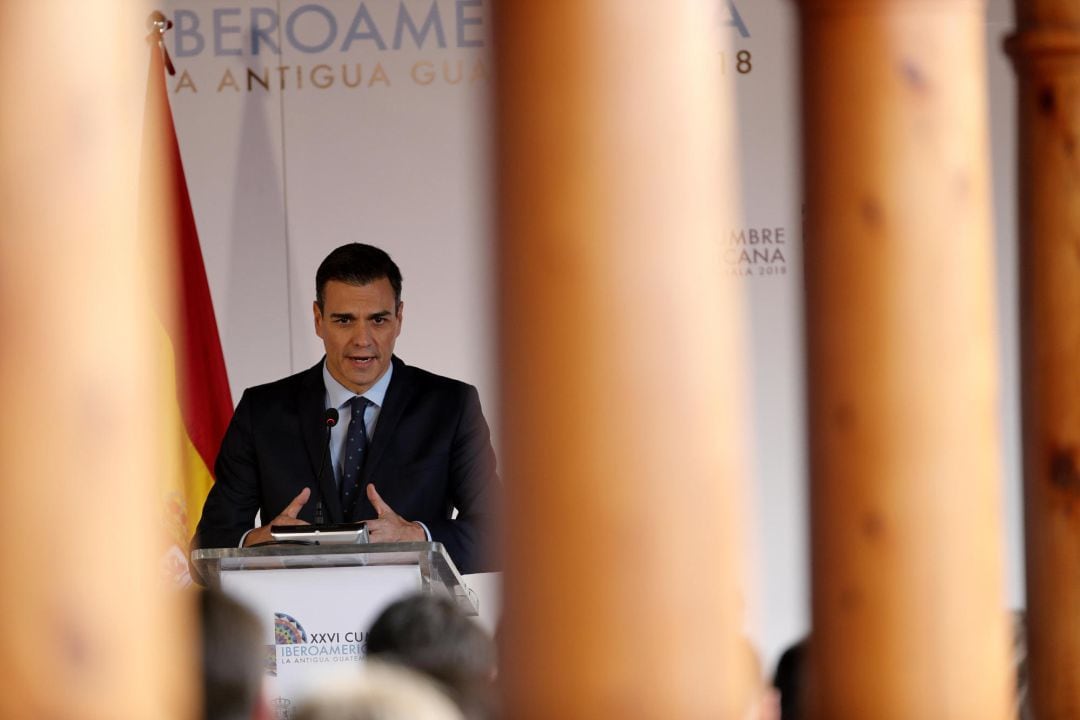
(409, 448)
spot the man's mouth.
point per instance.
(360, 360)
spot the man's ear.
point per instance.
(400, 311)
(317, 311)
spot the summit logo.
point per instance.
(294, 645)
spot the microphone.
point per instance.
(330, 418)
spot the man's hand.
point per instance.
(390, 527)
(287, 517)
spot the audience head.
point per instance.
(380, 692)
(790, 679)
(357, 264)
(434, 636)
(233, 671)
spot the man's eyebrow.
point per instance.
(380, 314)
(342, 316)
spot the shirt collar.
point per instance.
(337, 394)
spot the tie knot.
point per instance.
(358, 404)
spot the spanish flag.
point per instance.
(197, 389)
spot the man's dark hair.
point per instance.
(357, 264)
(431, 634)
(232, 653)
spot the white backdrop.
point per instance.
(281, 176)
(377, 130)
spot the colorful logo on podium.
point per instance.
(294, 645)
(288, 630)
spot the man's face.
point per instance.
(358, 325)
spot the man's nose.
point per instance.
(361, 335)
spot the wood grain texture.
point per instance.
(620, 364)
(1046, 54)
(908, 620)
(92, 630)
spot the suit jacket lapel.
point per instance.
(311, 405)
(397, 398)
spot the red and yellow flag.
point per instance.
(198, 393)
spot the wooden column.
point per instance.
(91, 630)
(908, 619)
(621, 375)
(1046, 52)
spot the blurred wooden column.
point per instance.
(908, 617)
(621, 372)
(90, 630)
(1046, 52)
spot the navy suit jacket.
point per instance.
(431, 452)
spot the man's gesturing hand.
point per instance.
(287, 517)
(390, 527)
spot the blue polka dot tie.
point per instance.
(355, 446)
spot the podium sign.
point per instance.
(316, 603)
